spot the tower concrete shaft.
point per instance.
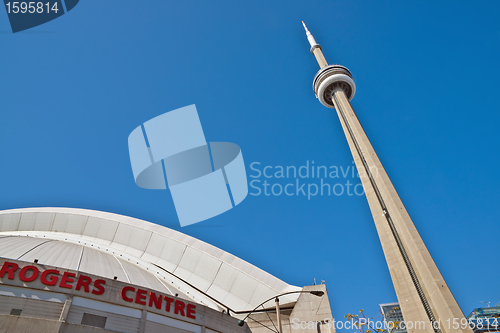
(426, 302)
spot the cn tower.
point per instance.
(426, 301)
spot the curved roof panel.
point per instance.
(138, 252)
(79, 258)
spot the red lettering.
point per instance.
(141, 294)
(83, 281)
(8, 267)
(169, 301)
(34, 275)
(98, 287)
(52, 279)
(190, 311)
(67, 277)
(179, 307)
(123, 293)
(155, 300)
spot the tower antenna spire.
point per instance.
(305, 27)
(315, 48)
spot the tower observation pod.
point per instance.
(426, 302)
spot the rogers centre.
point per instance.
(76, 270)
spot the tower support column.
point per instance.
(405, 290)
(423, 295)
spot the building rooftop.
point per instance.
(137, 252)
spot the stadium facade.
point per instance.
(75, 270)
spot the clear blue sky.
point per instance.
(427, 95)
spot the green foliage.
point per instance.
(363, 325)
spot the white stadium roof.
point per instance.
(136, 252)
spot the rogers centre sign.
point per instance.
(52, 277)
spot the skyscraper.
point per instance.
(426, 301)
(392, 317)
(485, 319)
